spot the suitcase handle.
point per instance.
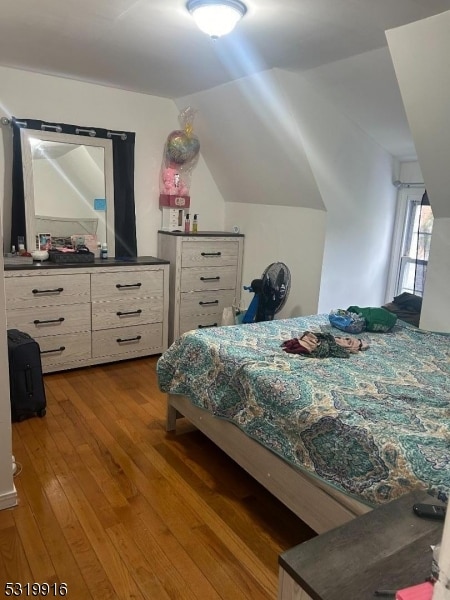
(54, 291)
(28, 380)
(134, 339)
(60, 349)
(128, 285)
(131, 312)
(38, 322)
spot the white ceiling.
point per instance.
(154, 47)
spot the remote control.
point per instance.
(430, 511)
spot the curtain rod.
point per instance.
(401, 184)
(123, 136)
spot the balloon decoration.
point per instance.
(181, 147)
(181, 152)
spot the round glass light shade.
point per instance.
(216, 18)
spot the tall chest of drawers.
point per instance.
(205, 277)
(88, 315)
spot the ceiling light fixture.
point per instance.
(216, 17)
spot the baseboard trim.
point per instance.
(9, 499)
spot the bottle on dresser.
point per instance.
(187, 224)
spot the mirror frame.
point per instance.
(28, 184)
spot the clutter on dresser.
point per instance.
(40, 255)
(16, 259)
(180, 156)
(66, 256)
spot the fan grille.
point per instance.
(276, 283)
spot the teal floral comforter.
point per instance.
(375, 425)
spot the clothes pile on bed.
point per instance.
(374, 426)
(407, 307)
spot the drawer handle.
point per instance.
(55, 291)
(208, 303)
(119, 286)
(131, 312)
(38, 322)
(209, 278)
(205, 326)
(133, 339)
(211, 253)
(60, 349)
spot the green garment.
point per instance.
(377, 319)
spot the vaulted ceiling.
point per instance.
(154, 47)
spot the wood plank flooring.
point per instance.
(116, 508)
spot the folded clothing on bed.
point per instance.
(323, 345)
(320, 345)
(377, 319)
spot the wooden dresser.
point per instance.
(205, 277)
(388, 548)
(88, 314)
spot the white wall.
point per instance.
(8, 495)
(420, 53)
(436, 296)
(354, 176)
(291, 235)
(24, 94)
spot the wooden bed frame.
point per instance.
(314, 502)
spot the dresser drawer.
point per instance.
(200, 322)
(121, 313)
(208, 278)
(206, 303)
(127, 284)
(47, 290)
(127, 340)
(50, 320)
(209, 254)
(57, 350)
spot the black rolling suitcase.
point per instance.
(27, 392)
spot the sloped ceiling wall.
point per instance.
(421, 55)
(272, 140)
(254, 144)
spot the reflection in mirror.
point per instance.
(68, 186)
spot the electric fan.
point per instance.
(271, 292)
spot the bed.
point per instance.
(331, 438)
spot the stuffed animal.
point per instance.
(173, 183)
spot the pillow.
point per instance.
(409, 301)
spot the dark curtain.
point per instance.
(123, 143)
(124, 212)
(18, 227)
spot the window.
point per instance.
(415, 245)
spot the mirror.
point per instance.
(68, 188)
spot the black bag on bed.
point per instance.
(26, 384)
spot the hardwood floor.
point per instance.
(116, 508)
